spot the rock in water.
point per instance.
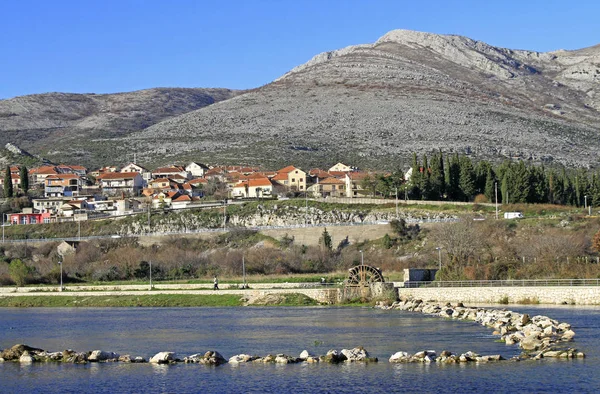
(163, 358)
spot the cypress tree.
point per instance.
(466, 179)
(24, 175)
(8, 187)
(437, 179)
(415, 179)
(425, 180)
(490, 185)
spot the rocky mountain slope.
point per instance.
(374, 104)
(74, 127)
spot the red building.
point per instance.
(29, 218)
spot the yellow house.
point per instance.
(292, 178)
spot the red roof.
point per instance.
(281, 177)
(331, 181)
(168, 170)
(118, 175)
(287, 169)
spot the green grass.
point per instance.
(157, 300)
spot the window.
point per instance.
(293, 179)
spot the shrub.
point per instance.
(19, 272)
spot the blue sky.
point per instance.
(113, 46)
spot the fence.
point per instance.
(505, 283)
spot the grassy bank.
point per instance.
(155, 300)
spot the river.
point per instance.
(254, 330)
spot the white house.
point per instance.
(196, 170)
(114, 183)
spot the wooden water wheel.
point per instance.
(363, 275)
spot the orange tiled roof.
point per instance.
(118, 175)
(287, 169)
(183, 197)
(281, 176)
(332, 181)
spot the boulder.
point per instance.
(399, 357)
(212, 357)
(333, 356)
(356, 354)
(313, 359)
(285, 359)
(26, 358)
(70, 356)
(524, 319)
(305, 355)
(100, 355)
(242, 358)
(531, 342)
(568, 335)
(15, 352)
(163, 358)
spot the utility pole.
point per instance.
(79, 230)
(439, 249)
(150, 262)
(225, 216)
(61, 276)
(305, 208)
(244, 271)
(496, 192)
(149, 204)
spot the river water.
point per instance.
(260, 331)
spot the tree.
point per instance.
(437, 178)
(325, 239)
(8, 186)
(24, 175)
(369, 183)
(466, 179)
(18, 272)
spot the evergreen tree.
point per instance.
(520, 185)
(490, 185)
(452, 185)
(425, 180)
(8, 186)
(24, 175)
(466, 179)
(437, 178)
(415, 179)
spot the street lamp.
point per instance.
(496, 192)
(585, 202)
(244, 271)
(150, 263)
(362, 257)
(61, 275)
(439, 249)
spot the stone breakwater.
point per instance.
(537, 336)
(27, 354)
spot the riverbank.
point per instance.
(100, 300)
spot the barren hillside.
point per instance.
(374, 104)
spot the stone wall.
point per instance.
(580, 295)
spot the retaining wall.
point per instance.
(580, 295)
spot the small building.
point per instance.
(29, 218)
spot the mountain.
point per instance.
(375, 104)
(74, 128)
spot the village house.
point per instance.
(29, 217)
(196, 170)
(116, 183)
(253, 188)
(166, 172)
(292, 178)
(15, 180)
(353, 182)
(328, 187)
(39, 175)
(60, 185)
(145, 173)
(341, 167)
(48, 204)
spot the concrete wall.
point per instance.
(580, 295)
